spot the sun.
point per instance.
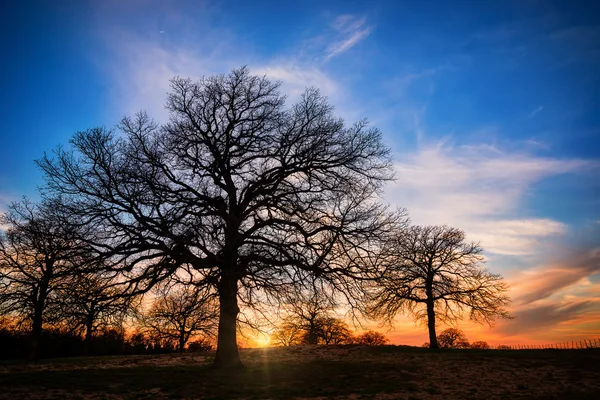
(262, 339)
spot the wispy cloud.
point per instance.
(544, 319)
(554, 278)
(296, 78)
(145, 67)
(479, 188)
(350, 30)
(535, 111)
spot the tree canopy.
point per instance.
(433, 273)
(247, 193)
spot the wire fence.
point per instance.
(570, 345)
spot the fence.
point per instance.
(570, 345)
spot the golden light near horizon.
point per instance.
(262, 339)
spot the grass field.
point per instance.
(315, 372)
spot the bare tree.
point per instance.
(452, 338)
(334, 331)
(247, 193)
(308, 306)
(179, 313)
(309, 311)
(434, 274)
(288, 333)
(94, 300)
(371, 338)
(323, 330)
(480, 344)
(39, 250)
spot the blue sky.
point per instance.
(492, 108)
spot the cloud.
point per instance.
(565, 277)
(296, 79)
(479, 188)
(559, 298)
(350, 30)
(534, 112)
(140, 70)
(145, 67)
(547, 318)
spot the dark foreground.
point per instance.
(315, 372)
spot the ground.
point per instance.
(315, 372)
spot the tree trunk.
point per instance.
(89, 327)
(38, 319)
(312, 332)
(433, 344)
(181, 341)
(227, 356)
(36, 334)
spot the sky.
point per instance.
(491, 109)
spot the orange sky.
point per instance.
(555, 303)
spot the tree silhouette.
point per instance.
(39, 250)
(93, 300)
(480, 344)
(334, 331)
(308, 306)
(371, 338)
(309, 315)
(452, 338)
(288, 333)
(433, 273)
(249, 194)
(179, 313)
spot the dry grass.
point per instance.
(315, 372)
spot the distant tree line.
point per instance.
(454, 338)
(237, 203)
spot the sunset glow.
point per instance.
(491, 114)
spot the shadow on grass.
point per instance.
(307, 372)
(278, 381)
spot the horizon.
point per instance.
(490, 110)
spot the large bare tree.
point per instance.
(40, 250)
(433, 273)
(248, 193)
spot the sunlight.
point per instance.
(262, 340)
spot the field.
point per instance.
(315, 372)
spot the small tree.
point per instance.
(371, 338)
(434, 274)
(181, 313)
(288, 333)
(480, 345)
(40, 251)
(334, 331)
(94, 300)
(309, 307)
(452, 338)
